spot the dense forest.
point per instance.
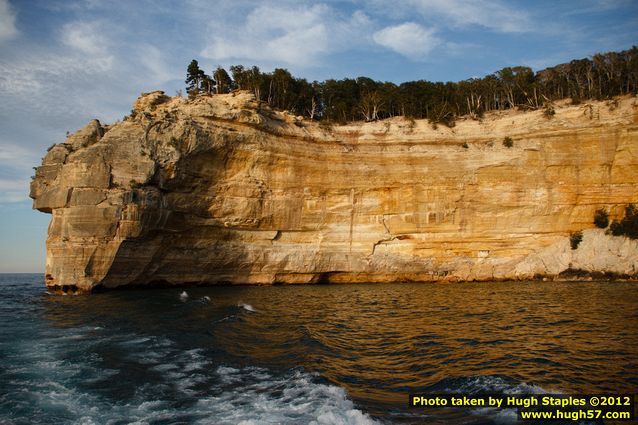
(603, 76)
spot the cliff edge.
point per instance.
(224, 189)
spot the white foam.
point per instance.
(228, 375)
(165, 367)
(493, 384)
(246, 307)
(291, 399)
(183, 296)
(136, 341)
(224, 394)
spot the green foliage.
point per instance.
(223, 82)
(628, 226)
(575, 239)
(194, 78)
(601, 218)
(603, 76)
(207, 84)
(508, 142)
(249, 79)
(135, 184)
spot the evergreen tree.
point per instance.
(207, 84)
(194, 78)
(223, 83)
(601, 77)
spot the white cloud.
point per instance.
(15, 161)
(493, 14)
(408, 39)
(272, 33)
(158, 71)
(37, 74)
(86, 37)
(7, 21)
(13, 190)
(14, 156)
(286, 33)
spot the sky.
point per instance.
(64, 62)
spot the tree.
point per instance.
(371, 103)
(207, 84)
(240, 77)
(281, 89)
(194, 78)
(516, 83)
(603, 76)
(248, 79)
(222, 80)
(308, 101)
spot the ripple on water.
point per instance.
(330, 354)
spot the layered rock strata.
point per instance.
(222, 189)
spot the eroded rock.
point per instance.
(224, 189)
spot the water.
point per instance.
(346, 354)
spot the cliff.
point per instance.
(224, 189)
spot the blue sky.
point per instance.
(64, 62)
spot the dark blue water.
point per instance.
(347, 354)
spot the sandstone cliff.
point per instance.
(224, 189)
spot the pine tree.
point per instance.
(194, 78)
(207, 84)
(222, 79)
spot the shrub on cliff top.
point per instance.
(549, 111)
(601, 218)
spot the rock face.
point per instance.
(224, 189)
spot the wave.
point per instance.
(154, 380)
(296, 397)
(246, 307)
(183, 297)
(486, 384)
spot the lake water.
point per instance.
(334, 354)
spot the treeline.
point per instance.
(603, 76)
